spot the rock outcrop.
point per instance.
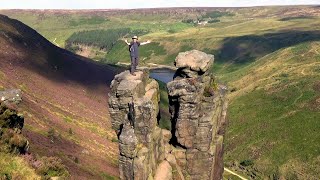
(11, 123)
(134, 108)
(11, 96)
(194, 147)
(198, 109)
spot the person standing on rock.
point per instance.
(134, 52)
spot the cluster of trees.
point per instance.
(199, 20)
(210, 17)
(104, 39)
(189, 21)
(213, 21)
(216, 14)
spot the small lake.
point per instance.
(164, 75)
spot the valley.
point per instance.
(267, 56)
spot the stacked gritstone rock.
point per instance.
(134, 108)
(198, 109)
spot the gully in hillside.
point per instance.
(134, 52)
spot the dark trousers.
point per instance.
(134, 64)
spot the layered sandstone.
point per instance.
(194, 147)
(198, 109)
(134, 108)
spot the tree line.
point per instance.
(210, 17)
(104, 39)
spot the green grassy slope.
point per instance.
(274, 114)
(269, 57)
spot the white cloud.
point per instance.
(102, 4)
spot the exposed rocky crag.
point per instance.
(194, 148)
(11, 96)
(11, 123)
(133, 105)
(13, 141)
(198, 109)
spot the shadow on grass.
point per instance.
(54, 63)
(296, 18)
(246, 49)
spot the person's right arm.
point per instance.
(127, 42)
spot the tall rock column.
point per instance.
(134, 108)
(198, 109)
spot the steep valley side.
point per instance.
(64, 101)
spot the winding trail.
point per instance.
(54, 41)
(300, 96)
(235, 174)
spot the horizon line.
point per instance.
(164, 7)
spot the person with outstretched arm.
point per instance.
(134, 52)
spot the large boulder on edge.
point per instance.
(194, 60)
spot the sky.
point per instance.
(132, 4)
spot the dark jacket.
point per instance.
(134, 49)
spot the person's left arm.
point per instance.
(144, 43)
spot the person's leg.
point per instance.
(137, 62)
(132, 65)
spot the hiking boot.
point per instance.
(133, 74)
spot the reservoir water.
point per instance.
(164, 75)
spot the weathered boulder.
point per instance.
(11, 96)
(193, 63)
(198, 108)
